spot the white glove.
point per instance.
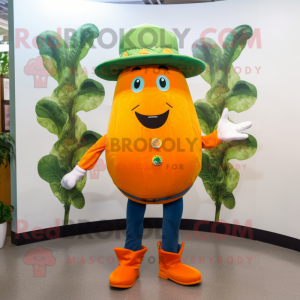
(70, 179)
(228, 131)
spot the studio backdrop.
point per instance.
(251, 52)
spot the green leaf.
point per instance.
(90, 96)
(232, 178)
(4, 61)
(49, 169)
(219, 179)
(207, 117)
(241, 150)
(6, 210)
(6, 148)
(221, 194)
(208, 175)
(242, 96)
(65, 196)
(207, 50)
(80, 127)
(81, 183)
(59, 192)
(216, 156)
(1, 205)
(7, 217)
(233, 78)
(80, 76)
(6, 138)
(81, 42)
(235, 42)
(220, 175)
(48, 124)
(54, 51)
(227, 197)
(51, 116)
(216, 192)
(77, 199)
(89, 138)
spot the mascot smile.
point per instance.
(153, 122)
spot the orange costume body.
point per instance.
(128, 143)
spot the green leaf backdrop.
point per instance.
(227, 90)
(57, 113)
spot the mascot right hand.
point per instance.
(70, 179)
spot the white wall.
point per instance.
(267, 192)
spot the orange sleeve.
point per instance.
(211, 140)
(89, 160)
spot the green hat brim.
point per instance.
(111, 69)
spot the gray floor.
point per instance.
(273, 272)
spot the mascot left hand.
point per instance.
(70, 179)
(228, 131)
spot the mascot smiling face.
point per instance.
(153, 101)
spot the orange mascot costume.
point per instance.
(153, 145)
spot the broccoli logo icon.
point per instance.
(100, 166)
(39, 258)
(35, 68)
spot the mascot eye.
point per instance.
(162, 83)
(137, 84)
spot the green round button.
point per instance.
(157, 160)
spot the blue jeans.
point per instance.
(172, 213)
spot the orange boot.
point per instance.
(171, 267)
(125, 275)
